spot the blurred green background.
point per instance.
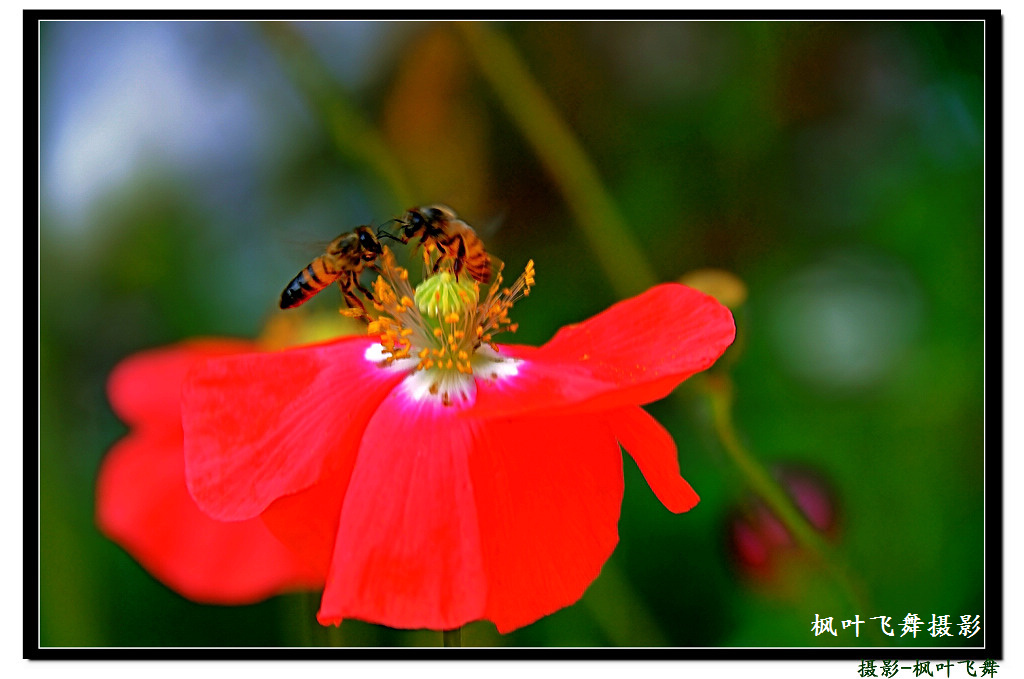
(190, 169)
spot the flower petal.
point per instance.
(147, 386)
(453, 519)
(635, 352)
(408, 546)
(654, 452)
(260, 426)
(143, 505)
(548, 492)
(307, 521)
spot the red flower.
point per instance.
(143, 505)
(434, 477)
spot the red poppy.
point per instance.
(143, 505)
(437, 478)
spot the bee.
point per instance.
(438, 227)
(345, 258)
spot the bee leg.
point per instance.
(367, 293)
(354, 303)
(350, 297)
(457, 260)
(460, 257)
(457, 267)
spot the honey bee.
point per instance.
(345, 258)
(438, 227)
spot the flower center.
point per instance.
(446, 326)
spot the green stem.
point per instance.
(563, 157)
(313, 631)
(335, 637)
(353, 137)
(452, 637)
(612, 599)
(720, 394)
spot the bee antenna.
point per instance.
(381, 232)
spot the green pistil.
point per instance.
(442, 295)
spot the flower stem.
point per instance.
(313, 632)
(719, 391)
(612, 599)
(562, 155)
(354, 138)
(335, 637)
(452, 637)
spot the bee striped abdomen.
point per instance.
(311, 280)
(478, 263)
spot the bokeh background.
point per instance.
(190, 169)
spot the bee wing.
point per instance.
(302, 245)
(492, 225)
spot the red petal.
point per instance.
(680, 327)
(307, 521)
(548, 492)
(147, 385)
(260, 426)
(654, 452)
(408, 551)
(143, 505)
(448, 519)
(635, 352)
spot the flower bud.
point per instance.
(758, 538)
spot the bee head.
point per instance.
(424, 220)
(368, 243)
(413, 223)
